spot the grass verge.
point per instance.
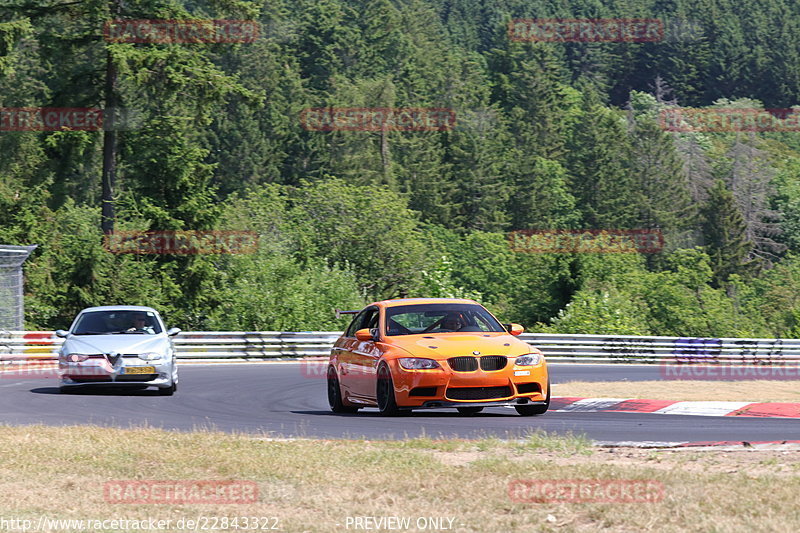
(321, 486)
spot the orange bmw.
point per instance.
(423, 353)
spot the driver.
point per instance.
(453, 322)
(139, 324)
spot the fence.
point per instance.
(11, 299)
(210, 345)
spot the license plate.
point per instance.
(139, 370)
(522, 372)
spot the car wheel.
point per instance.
(531, 410)
(168, 391)
(387, 403)
(469, 410)
(335, 394)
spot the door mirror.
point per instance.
(61, 333)
(365, 335)
(173, 331)
(514, 329)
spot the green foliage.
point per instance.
(682, 302)
(10, 34)
(267, 292)
(775, 298)
(548, 135)
(371, 228)
(437, 282)
(71, 270)
(601, 312)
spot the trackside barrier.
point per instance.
(258, 345)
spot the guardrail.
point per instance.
(43, 345)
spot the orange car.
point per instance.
(420, 353)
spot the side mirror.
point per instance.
(365, 335)
(173, 331)
(61, 333)
(514, 329)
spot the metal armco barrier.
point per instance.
(258, 345)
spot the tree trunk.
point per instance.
(110, 123)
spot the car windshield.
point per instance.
(117, 322)
(439, 318)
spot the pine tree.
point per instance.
(542, 199)
(252, 143)
(601, 180)
(657, 170)
(530, 85)
(725, 235)
(480, 170)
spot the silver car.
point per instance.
(119, 345)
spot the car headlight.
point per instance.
(418, 363)
(531, 359)
(75, 357)
(151, 356)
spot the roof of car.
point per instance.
(120, 308)
(417, 301)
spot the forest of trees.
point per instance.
(548, 135)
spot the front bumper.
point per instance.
(436, 404)
(445, 387)
(94, 373)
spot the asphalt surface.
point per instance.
(285, 400)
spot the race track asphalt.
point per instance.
(282, 400)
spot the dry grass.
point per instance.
(315, 485)
(735, 391)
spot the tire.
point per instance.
(387, 403)
(335, 394)
(469, 410)
(531, 410)
(168, 391)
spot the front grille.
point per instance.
(423, 391)
(493, 362)
(90, 379)
(528, 388)
(463, 364)
(137, 377)
(470, 364)
(478, 393)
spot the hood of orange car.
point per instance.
(445, 345)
